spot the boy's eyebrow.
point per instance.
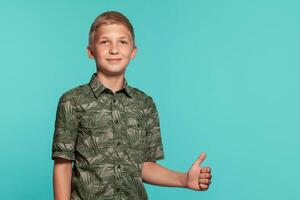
(105, 37)
(124, 37)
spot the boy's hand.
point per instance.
(199, 178)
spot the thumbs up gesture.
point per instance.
(199, 178)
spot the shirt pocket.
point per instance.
(95, 131)
(137, 133)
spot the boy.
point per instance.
(111, 130)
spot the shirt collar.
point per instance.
(97, 87)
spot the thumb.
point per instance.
(200, 159)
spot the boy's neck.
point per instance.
(114, 83)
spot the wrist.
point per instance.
(184, 180)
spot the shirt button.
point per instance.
(114, 101)
(116, 121)
(119, 166)
(117, 189)
(118, 143)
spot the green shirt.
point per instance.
(108, 136)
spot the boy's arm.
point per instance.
(62, 175)
(197, 178)
(158, 175)
(63, 147)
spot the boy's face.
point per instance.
(112, 48)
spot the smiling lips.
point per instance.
(114, 60)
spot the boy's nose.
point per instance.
(113, 49)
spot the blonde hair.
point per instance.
(110, 17)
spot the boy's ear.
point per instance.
(133, 53)
(89, 52)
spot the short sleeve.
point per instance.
(154, 150)
(65, 132)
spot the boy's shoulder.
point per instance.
(140, 94)
(76, 92)
(142, 97)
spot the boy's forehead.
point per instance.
(113, 30)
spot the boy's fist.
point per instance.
(199, 178)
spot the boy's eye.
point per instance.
(124, 42)
(103, 42)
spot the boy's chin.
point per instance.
(111, 73)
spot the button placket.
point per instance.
(113, 108)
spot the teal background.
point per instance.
(224, 76)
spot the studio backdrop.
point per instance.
(224, 76)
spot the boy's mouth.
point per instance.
(114, 60)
